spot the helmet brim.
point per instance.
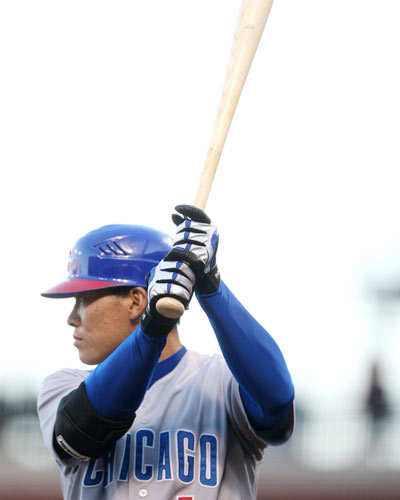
(74, 286)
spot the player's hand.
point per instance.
(171, 278)
(168, 279)
(196, 244)
(189, 265)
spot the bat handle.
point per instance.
(170, 308)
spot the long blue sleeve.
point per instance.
(253, 357)
(118, 384)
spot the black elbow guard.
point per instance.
(80, 432)
(282, 431)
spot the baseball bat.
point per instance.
(252, 19)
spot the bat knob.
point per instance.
(170, 308)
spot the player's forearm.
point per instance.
(252, 355)
(118, 384)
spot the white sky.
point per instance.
(106, 111)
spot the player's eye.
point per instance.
(87, 298)
(78, 301)
(83, 300)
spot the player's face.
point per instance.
(102, 321)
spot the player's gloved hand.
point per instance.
(169, 278)
(188, 265)
(196, 244)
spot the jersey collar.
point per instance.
(166, 366)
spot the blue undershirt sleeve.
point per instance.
(253, 357)
(117, 386)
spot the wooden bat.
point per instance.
(252, 19)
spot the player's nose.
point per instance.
(74, 318)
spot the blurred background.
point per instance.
(106, 110)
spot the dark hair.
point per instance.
(120, 290)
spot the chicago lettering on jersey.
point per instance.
(173, 456)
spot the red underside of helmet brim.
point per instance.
(75, 286)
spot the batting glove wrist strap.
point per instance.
(155, 325)
(209, 283)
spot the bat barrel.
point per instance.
(251, 24)
(253, 17)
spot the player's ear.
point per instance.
(138, 302)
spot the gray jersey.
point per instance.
(191, 439)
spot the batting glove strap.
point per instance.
(209, 283)
(155, 325)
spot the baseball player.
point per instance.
(154, 419)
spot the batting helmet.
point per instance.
(114, 255)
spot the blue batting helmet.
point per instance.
(111, 256)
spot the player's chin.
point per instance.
(89, 357)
